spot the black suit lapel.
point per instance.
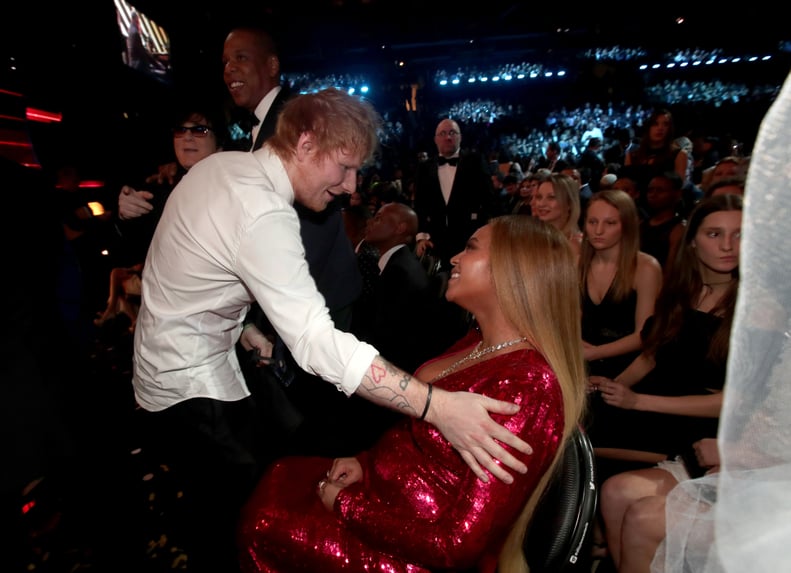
(267, 128)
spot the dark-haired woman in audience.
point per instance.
(196, 133)
(410, 503)
(656, 153)
(671, 395)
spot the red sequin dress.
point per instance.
(418, 507)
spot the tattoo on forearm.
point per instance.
(382, 394)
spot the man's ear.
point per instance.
(306, 145)
(274, 66)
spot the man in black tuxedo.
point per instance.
(252, 75)
(551, 159)
(406, 297)
(402, 319)
(453, 195)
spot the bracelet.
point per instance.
(428, 402)
(247, 325)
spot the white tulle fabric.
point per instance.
(739, 520)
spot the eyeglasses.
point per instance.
(195, 130)
(452, 133)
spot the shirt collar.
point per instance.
(263, 106)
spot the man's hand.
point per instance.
(421, 245)
(133, 204)
(343, 473)
(463, 418)
(252, 338)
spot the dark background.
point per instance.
(67, 57)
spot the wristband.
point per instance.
(428, 402)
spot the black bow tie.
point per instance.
(449, 160)
(246, 120)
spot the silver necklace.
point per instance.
(477, 352)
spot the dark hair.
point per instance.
(683, 284)
(186, 110)
(734, 181)
(673, 177)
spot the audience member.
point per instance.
(583, 186)
(557, 201)
(627, 182)
(655, 153)
(509, 197)
(409, 503)
(727, 186)
(634, 504)
(662, 230)
(527, 188)
(453, 195)
(199, 283)
(87, 227)
(403, 323)
(591, 159)
(738, 519)
(618, 282)
(196, 134)
(729, 166)
(670, 396)
(551, 159)
(607, 181)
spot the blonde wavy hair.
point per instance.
(535, 278)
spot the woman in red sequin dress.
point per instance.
(411, 503)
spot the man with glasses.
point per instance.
(454, 195)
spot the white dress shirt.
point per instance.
(446, 174)
(229, 235)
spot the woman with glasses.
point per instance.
(196, 133)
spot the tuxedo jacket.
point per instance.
(328, 250)
(402, 317)
(472, 203)
(269, 123)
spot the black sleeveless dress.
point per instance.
(607, 322)
(682, 369)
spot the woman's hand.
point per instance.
(618, 395)
(343, 473)
(707, 453)
(595, 382)
(463, 418)
(588, 351)
(133, 203)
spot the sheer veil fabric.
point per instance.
(740, 518)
